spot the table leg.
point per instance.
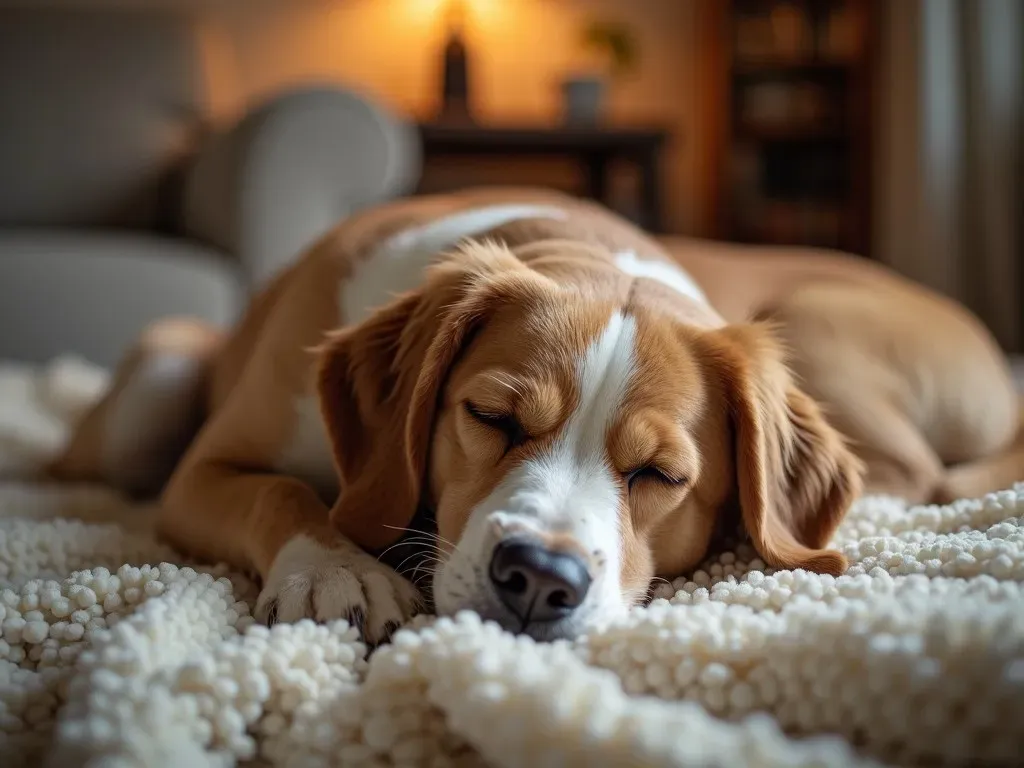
(595, 168)
(650, 192)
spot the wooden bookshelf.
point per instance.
(790, 84)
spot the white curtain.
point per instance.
(949, 202)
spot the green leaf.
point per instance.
(616, 41)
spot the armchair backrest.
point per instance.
(97, 107)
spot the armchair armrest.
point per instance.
(289, 170)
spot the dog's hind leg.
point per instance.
(840, 342)
(135, 435)
(991, 473)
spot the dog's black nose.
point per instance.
(535, 583)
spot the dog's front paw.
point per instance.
(311, 580)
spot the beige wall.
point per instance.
(521, 49)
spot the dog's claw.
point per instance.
(357, 618)
(386, 633)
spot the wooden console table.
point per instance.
(594, 148)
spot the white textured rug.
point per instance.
(916, 655)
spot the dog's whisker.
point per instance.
(419, 565)
(406, 529)
(425, 573)
(410, 557)
(381, 555)
(428, 569)
(413, 540)
(423, 577)
(431, 535)
(410, 541)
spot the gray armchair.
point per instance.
(117, 206)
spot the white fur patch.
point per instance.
(397, 264)
(571, 489)
(307, 456)
(672, 275)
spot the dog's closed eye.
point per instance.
(651, 472)
(507, 424)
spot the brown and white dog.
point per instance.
(578, 408)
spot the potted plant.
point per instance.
(612, 45)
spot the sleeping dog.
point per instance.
(576, 409)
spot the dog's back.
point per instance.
(913, 379)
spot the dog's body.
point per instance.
(448, 397)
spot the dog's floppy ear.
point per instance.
(379, 383)
(796, 477)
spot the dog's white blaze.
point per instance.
(572, 489)
(672, 275)
(397, 265)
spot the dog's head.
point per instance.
(573, 438)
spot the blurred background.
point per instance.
(163, 156)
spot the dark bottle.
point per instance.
(455, 104)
